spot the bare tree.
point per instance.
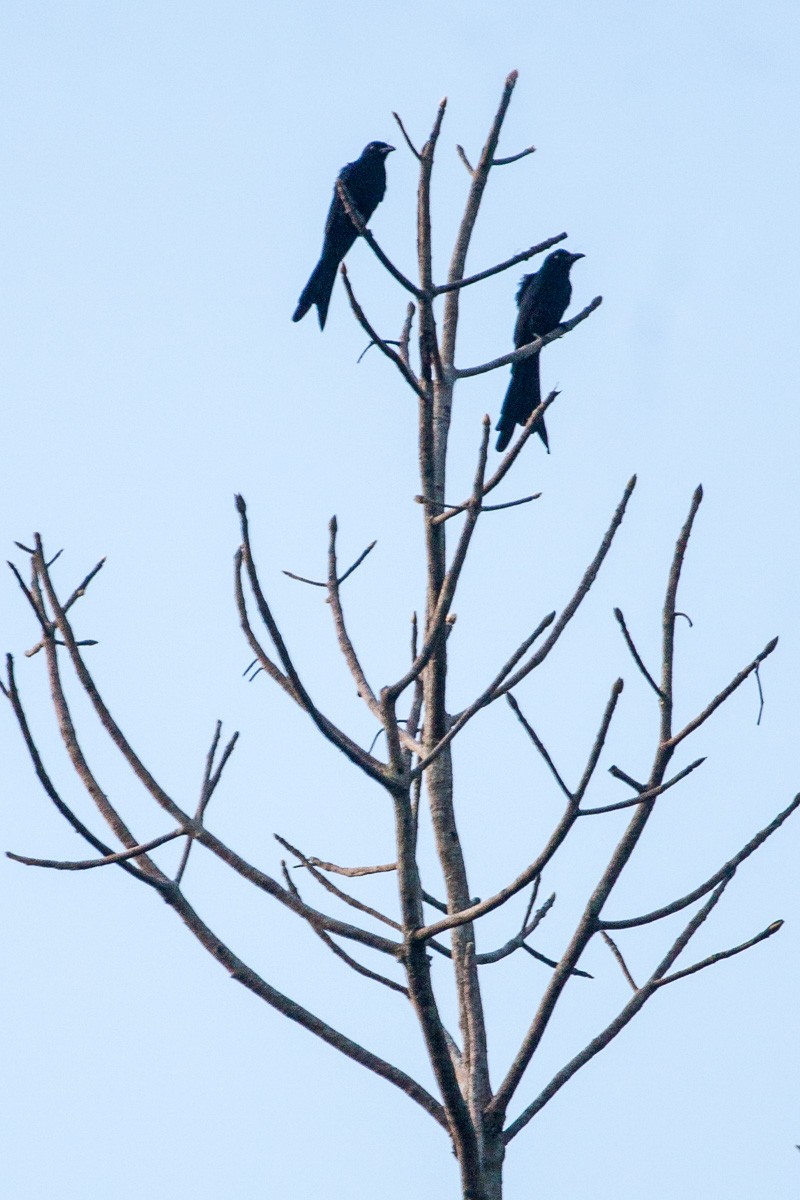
(416, 775)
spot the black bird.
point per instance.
(542, 300)
(365, 181)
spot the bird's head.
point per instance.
(562, 259)
(377, 150)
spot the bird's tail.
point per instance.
(318, 290)
(522, 397)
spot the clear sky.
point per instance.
(167, 168)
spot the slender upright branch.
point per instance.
(480, 177)
(369, 765)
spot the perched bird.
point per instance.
(542, 300)
(365, 182)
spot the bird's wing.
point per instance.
(524, 286)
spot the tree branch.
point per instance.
(722, 954)
(722, 696)
(323, 583)
(635, 653)
(369, 765)
(380, 342)
(79, 591)
(471, 914)
(210, 780)
(512, 158)
(568, 612)
(539, 744)
(332, 888)
(486, 697)
(324, 937)
(88, 864)
(637, 1001)
(506, 463)
(12, 694)
(540, 247)
(244, 975)
(444, 600)
(408, 141)
(615, 950)
(728, 869)
(523, 352)
(644, 794)
(480, 177)
(360, 224)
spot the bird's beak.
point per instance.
(575, 257)
(388, 149)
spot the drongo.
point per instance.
(542, 300)
(365, 182)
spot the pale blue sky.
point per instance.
(167, 169)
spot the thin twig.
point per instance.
(265, 662)
(512, 158)
(516, 942)
(760, 696)
(324, 583)
(487, 696)
(397, 359)
(599, 741)
(582, 590)
(539, 744)
(510, 503)
(634, 652)
(550, 962)
(598, 1043)
(444, 600)
(358, 967)
(405, 335)
(728, 869)
(615, 950)
(88, 864)
(350, 872)
(644, 794)
(345, 644)
(370, 766)
(41, 644)
(625, 778)
(722, 696)
(462, 155)
(523, 256)
(480, 178)
(210, 780)
(40, 616)
(668, 623)
(332, 888)
(12, 694)
(408, 140)
(723, 954)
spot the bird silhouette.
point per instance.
(542, 300)
(365, 182)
